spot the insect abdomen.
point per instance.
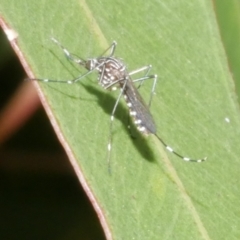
(138, 110)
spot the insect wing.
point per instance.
(139, 107)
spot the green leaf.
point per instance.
(228, 19)
(151, 194)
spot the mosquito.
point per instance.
(113, 74)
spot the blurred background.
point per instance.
(40, 196)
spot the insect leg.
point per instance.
(187, 159)
(141, 80)
(109, 146)
(112, 48)
(62, 81)
(145, 77)
(144, 68)
(70, 56)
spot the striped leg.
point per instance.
(109, 146)
(70, 56)
(144, 78)
(187, 159)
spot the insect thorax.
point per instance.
(110, 69)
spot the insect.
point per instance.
(113, 74)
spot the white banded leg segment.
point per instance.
(63, 81)
(187, 159)
(141, 80)
(109, 146)
(192, 160)
(147, 68)
(50, 80)
(67, 53)
(169, 149)
(111, 48)
(111, 122)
